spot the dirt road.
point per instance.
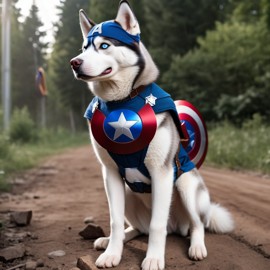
(68, 187)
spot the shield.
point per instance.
(124, 131)
(194, 130)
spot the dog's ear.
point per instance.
(126, 18)
(85, 23)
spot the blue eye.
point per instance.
(104, 46)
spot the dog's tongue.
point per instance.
(106, 71)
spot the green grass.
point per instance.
(245, 148)
(16, 157)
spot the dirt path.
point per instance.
(68, 188)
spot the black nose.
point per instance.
(76, 63)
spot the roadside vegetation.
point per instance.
(240, 148)
(25, 146)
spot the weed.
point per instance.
(22, 127)
(246, 147)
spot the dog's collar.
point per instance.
(111, 29)
(134, 93)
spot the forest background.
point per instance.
(213, 53)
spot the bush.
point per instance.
(228, 75)
(246, 147)
(22, 128)
(4, 148)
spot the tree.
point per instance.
(228, 75)
(252, 11)
(174, 26)
(247, 10)
(28, 52)
(104, 10)
(68, 42)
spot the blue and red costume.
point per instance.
(126, 128)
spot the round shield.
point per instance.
(124, 131)
(194, 129)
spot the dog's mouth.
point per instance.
(106, 71)
(84, 77)
(87, 77)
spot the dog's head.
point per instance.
(113, 59)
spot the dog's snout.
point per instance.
(76, 63)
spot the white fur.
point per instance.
(170, 208)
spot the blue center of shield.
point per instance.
(123, 126)
(191, 133)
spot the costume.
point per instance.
(126, 128)
(111, 29)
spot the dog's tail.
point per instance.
(219, 220)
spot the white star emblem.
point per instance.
(151, 100)
(122, 127)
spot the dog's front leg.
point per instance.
(162, 186)
(115, 191)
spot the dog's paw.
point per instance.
(197, 252)
(153, 264)
(106, 260)
(101, 243)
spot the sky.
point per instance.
(47, 13)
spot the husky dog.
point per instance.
(119, 70)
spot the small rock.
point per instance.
(11, 225)
(28, 251)
(11, 253)
(40, 263)
(5, 196)
(75, 268)
(21, 218)
(92, 231)
(30, 265)
(85, 263)
(88, 220)
(15, 237)
(34, 237)
(18, 181)
(47, 172)
(56, 253)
